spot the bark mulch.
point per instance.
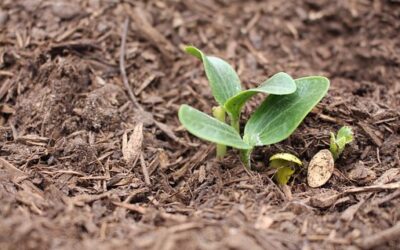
(92, 155)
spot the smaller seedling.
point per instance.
(337, 144)
(286, 165)
(322, 165)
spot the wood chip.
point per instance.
(324, 200)
(379, 239)
(370, 132)
(152, 34)
(361, 174)
(388, 176)
(11, 168)
(131, 207)
(349, 213)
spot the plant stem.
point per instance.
(235, 124)
(219, 114)
(245, 156)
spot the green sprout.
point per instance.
(337, 144)
(287, 104)
(285, 165)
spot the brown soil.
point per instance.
(79, 171)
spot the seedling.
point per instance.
(338, 143)
(287, 104)
(286, 165)
(322, 164)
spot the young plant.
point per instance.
(322, 165)
(337, 144)
(286, 165)
(287, 104)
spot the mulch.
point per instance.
(92, 155)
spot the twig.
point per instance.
(387, 198)
(80, 200)
(329, 200)
(380, 238)
(122, 65)
(131, 207)
(14, 131)
(373, 188)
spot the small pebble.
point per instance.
(3, 17)
(102, 27)
(65, 10)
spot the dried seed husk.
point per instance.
(320, 168)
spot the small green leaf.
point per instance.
(279, 116)
(337, 145)
(279, 163)
(346, 133)
(223, 79)
(283, 175)
(285, 164)
(209, 128)
(279, 84)
(341, 143)
(285, 157)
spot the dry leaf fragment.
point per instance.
(132, 147)
(202, 174)
(264, 222)
(163, 159)
(320, 168)
(361, 174)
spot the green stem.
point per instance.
(219, 114)
(235, 124)
(245, 157)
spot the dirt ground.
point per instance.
(84, 167)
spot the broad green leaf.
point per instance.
(278, 116)
(224, 81)
(209, 128)
(279, 84)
